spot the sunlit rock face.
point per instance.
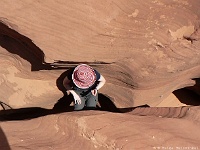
(105, 131)
(148, 53)
(145, 50)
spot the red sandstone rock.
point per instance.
(146, 50)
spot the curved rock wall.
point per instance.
(152, 47)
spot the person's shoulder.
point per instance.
(98, 75)
(70, 72)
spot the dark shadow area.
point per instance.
(58, 64)
(64, 104)
(23, 113)
(189, 95)
(59, 81)
(28, 113)
(196, 87)
(129, 109)
(3, 141)
(104, 104)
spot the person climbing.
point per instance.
(83, 82)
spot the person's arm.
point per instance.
(101, 83)
(68, 87)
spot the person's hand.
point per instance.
(68, 92)
(77, 99)
(94, 92)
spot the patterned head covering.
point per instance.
(84, 76)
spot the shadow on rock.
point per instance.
(104, 104)
(64, 104)
(187, 96)
(19, 44)
(3, 141)
(59, 81)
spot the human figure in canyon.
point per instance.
(83, 82)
